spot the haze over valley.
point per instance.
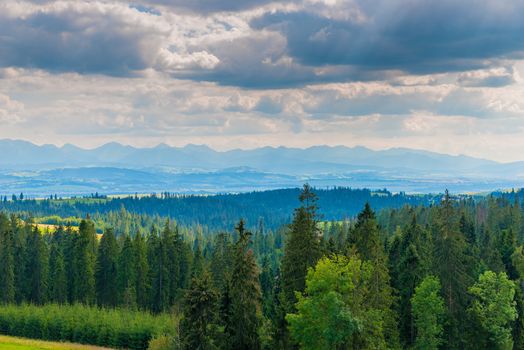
(117, 169)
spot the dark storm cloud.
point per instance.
(78, 39)
(411, 36)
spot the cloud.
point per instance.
(495, 77)
(92, 37)
(251, 73)
(173, 61)
(10, 110)
(395, 35)
(266, 44)
(209, 6)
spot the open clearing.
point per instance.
(12, 343)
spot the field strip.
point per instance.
(13, 343)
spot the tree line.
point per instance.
(217, 212)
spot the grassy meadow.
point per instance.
(13, 343)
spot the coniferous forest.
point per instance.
(261, 175)
(445, 273)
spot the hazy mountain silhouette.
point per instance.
(195, 168)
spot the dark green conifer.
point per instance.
(200, 311)
(106, 270)
(142, 271)
(245, 313)
(84, 261)
(7, 260)
(126, 276)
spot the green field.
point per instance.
(12, 343)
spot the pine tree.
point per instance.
(224, 313)
(68, 244)
(413, 264)
(302, 249)
(106, 270)
(450, 259)
(244, 319)
(57, 274)
(21, 256)
(221, 260)
(177, 262)
(267, 281)
(490, 253)
(200, 311)
(7, 269)
(157, 260)
(365, 236)
(186, 260)
(365, 239)
(37, 267)
(126, 277)
(197, 267)
(507, 243)
(84, 261)
(142, 272)
(472, 252)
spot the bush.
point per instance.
(163, 342)
(82, 324)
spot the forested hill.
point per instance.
(275, 208)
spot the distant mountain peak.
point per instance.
(319, 159)
(162, 145)
(191, 146)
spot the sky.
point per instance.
(440, 75)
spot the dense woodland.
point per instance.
(216, 212)
(440, 274)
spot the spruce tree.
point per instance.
(197, 267)
(267, 282)
(221, 260)
(68, 244)
(171, 241)
(452, 269)
(159, 273)
(84, 261)
(106, 270)
(413, 264)
(200, 312)
(365, 239)
(302, 248)
(126, 277)
(142, 271)
(21, 256)
(37, 267)
(7, 269)
(245, 313)
(57, 275)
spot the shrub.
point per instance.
(163, 342)
(117, 328)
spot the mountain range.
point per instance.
(117, 168)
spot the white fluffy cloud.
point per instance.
(10, 110)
